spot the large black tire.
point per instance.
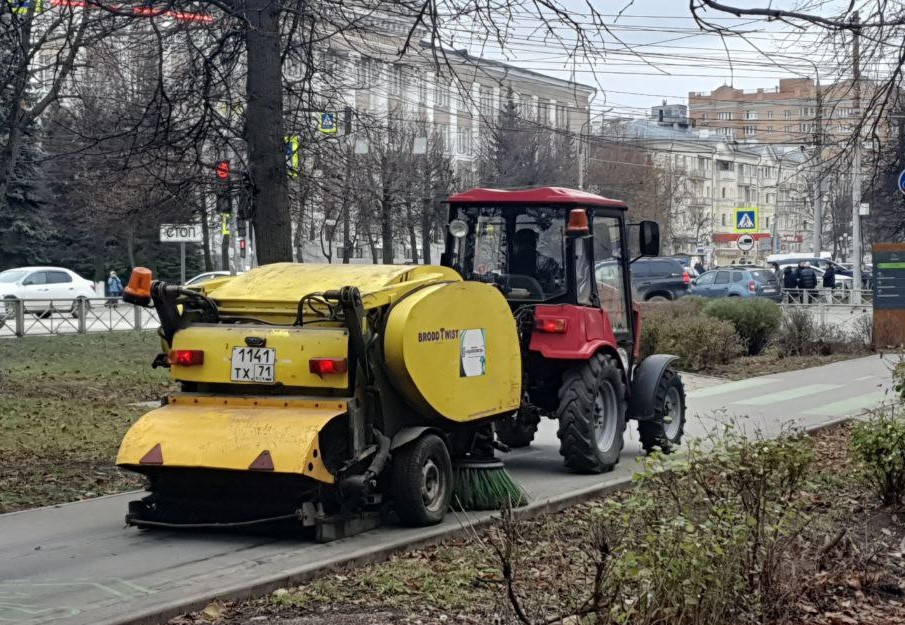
(517, 431)
(591, 415)
(422, 481)
(664, 431)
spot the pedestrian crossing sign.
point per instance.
(327, 123)
(745, 220)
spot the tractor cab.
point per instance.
(562, 260)
(550, 246)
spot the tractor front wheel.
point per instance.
(664, 431)
(591, 415)
(422, 481)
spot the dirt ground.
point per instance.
(860, 579)
(765, 364)
(64, 406)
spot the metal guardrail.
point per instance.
(21, 317)
(820, 295)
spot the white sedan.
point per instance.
(45, 289)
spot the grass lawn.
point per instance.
(64, 405)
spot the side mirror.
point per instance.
(649, 244)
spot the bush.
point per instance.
(699, 342)
(800, 334)
(688, 306)
(708, 540)
(755, 320)
(879, 444)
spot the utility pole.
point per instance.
(856, 164)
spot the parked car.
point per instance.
(45, 289)
(737, 282)
(653, 279)
(207, 275)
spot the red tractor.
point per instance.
(562, 258)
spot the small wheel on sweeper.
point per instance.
(422, 483)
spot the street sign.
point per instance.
(889, 294)
(745, 220)
(180, 233)
(745, 243)
(864, 209)
(327, 123)
(902, 181)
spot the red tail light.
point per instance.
(323, 366)
(186, 357)
(752, 286)
(686, 279)
(551, 326)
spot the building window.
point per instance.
(787, 114)
(723, 216)
(396, 80)
(787, 128)
(769, 114)
(726, 116)
(723, 194)
(526, 107)
(750, 130)
(441, 136)
(485, 101)
(543, 111)
(704, 116)
(442, 94)
(724, 165)
(766, 223)
(463, 142)
(751, 115)
(562, 119)
(422, 89)
(769, 130)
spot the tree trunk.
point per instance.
(386, 225)
(426, 214)
(205, 232)
(265, 134)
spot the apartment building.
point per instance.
(713, 176)
(790, 113)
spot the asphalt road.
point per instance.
(78, 564)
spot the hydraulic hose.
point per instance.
(364, 482)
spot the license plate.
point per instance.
(253, 364)
(769, 289)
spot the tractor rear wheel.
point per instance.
(664, 431)
(591, 415)
(422, 481)
(517, 431)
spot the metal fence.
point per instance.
(835, 308)
(20, 317)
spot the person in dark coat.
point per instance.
(790, 284)
(807, 282)
(829, 283)
(699, 267)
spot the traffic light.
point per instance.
(242, 227)
(223, 170)
(347, 120)
(241, 247)
(224, 203)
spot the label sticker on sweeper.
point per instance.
(253, 364)
(473, 353)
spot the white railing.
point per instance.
(26, 317)
(836, 308)
(820, 295)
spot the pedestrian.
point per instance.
(699, 267)
(807, 281)
(790, 283)
(829, 283)
(114, 288)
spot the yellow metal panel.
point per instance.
(230, 433)
(454, 348)
(294, 348)
(278, 287)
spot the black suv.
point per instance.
(653, 279)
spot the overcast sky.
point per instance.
(655, 52)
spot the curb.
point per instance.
(382, 552)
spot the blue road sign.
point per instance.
(745, 220)
(902, 181)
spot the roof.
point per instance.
(539, 195)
